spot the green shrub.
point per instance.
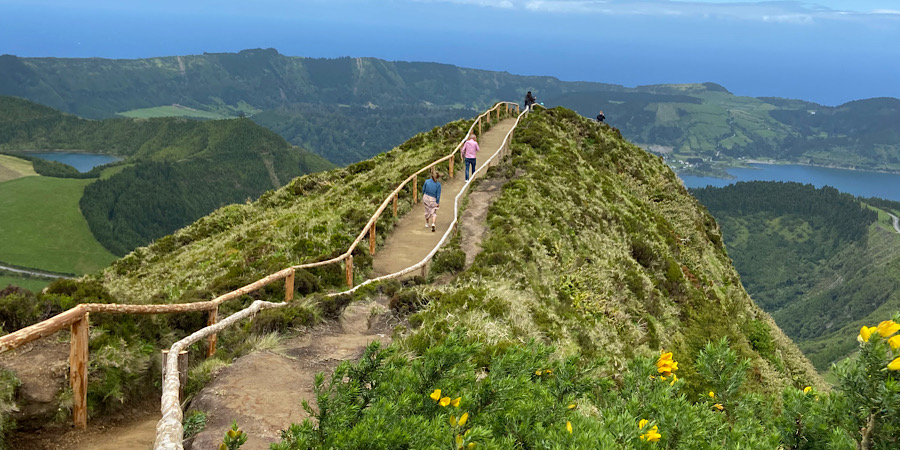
(194, 423)
(448, 260)
(282, 319)
(9, 384)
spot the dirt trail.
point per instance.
(410, 241)
(264, 391)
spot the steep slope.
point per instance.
(813, 258)
(597, 248)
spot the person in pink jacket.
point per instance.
(469, 150)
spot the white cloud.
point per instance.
(793, 12)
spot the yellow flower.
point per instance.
(464, 419)
(471, 445)
(674, 379)
(712, 394)
(652, 435)
(718, 406)
(571, 406)
(894, 365)
(452, 421)
(887, 328)
(549, 371)
(569, 427)
(807, 389)
(642, 423)
(895, 342)
(455, 402)
(665, 365)
(864, 333)
(537, 372)
(459, 440)
(444, 401)
(222, 446)
(436, 395)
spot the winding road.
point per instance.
(54, 275)
(896, 222)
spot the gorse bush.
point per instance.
(462, 393)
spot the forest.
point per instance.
(345, 134)
(810, 257)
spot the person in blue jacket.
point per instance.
(431, 198)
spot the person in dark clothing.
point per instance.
(600, 117)
(529, 100)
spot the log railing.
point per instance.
(169, 429)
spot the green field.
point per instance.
(32, 284)
(171, 111)
(41, 226)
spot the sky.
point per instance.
(826, 51)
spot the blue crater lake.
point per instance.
(855, 182)
(84, 162)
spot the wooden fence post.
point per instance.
(213, 318)
(395, 205)
(452, 157)
(479, 127)
(372, 237)
(349, 267)
(182, 371)
(289, 287)
(415, 189)
(78, 369)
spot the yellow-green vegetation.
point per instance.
(314, 217)
(172, 111)
(41, 227)
(12, 168)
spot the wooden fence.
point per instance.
(169, 429)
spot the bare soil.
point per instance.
(264, 391)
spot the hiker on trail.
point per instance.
(469, 150)
(529, 100)
(431, 198)
(600, 117)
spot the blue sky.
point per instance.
(828, 51)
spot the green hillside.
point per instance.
(596, 262)
(177, 169)
(821, 262)
(600, 259)
(705, 121)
